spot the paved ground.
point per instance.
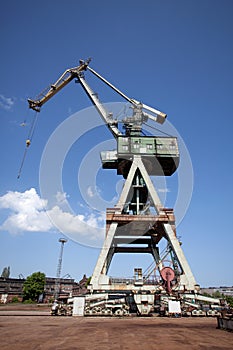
(67, 333)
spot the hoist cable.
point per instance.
(32, 129)
(162, 132)
(28, 142)
(21, 165)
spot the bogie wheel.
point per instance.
(119, 312)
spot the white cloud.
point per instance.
(6, 102)
(22, 202)
(83, 226)
(61, 197)
(27, 213)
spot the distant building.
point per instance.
(11, 288)
(81, 287)
(66, 288)
(228, 291)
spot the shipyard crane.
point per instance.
(131, 226)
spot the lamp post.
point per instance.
(59, 265)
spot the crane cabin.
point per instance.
(160, 155)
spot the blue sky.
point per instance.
(173, 55)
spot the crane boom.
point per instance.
(160, 116)
(112, 86)
(64, 79)
(77, 72)
(132, 124)
(107, 117)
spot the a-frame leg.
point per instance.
(187, 280)
(99, 277)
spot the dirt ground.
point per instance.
(36, 330)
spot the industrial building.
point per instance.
(12, 288)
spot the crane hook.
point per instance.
(28, 142)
